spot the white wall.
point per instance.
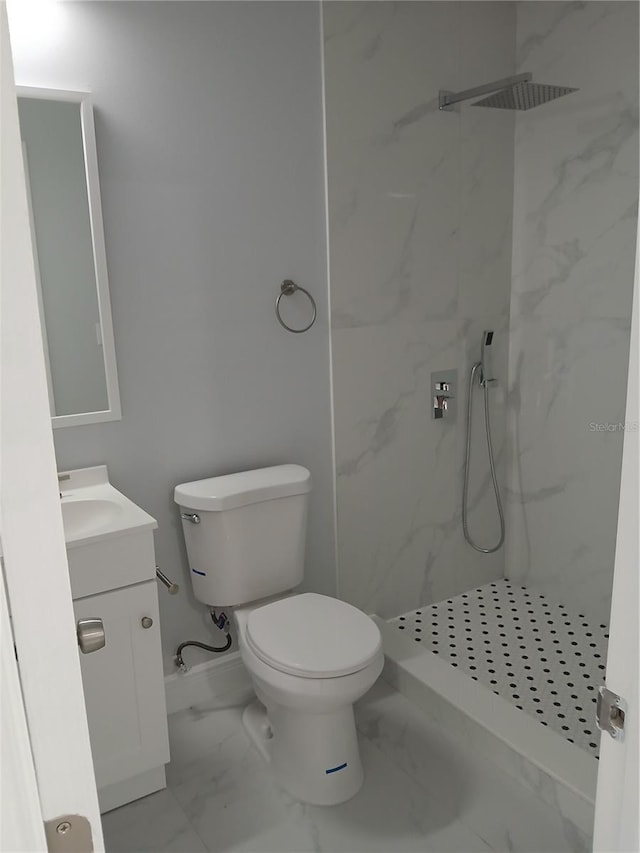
(209, 136)
(420, 206)
(574, 233)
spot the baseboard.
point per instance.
(217, 682)
(117, 794)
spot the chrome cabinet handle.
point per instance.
(91, 636)
(193, 517)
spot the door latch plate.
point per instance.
(68, 833)
(611, 712)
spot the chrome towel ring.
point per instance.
(286, 289)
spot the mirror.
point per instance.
(61, 169)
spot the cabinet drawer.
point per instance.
(124, 684)
(117, 561)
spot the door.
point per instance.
(21, 828)
(34, 557)
(124, 684)
(617, 797)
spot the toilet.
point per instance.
(310, 656)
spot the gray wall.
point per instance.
(209, 135)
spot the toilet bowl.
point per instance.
(310, 658)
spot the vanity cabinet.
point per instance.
(124, 694)
(112, 569)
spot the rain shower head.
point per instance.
(511, 93)
(524, 96)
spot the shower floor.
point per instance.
(534, 653)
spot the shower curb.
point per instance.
(558, 773)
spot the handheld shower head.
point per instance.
(481, 370)
(485, 358)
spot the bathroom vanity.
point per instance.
(112, 570)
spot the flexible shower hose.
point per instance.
(465, 493)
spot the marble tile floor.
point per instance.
(221, 797)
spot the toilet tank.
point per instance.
(245, 533)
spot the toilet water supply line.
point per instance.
(221, 621)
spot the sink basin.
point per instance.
(109, 539)
(82, 516)
(92, 510)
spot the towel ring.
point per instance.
(286, 289)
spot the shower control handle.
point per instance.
(443, 384)
(440, 405)
(441, 400)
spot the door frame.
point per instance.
(617, 795)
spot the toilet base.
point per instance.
(315, 757)
(257, 726)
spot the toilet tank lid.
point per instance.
(246, 487)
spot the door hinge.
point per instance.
(611, 712)
(69, 833)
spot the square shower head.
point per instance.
(524, 96)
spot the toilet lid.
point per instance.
(313, 636)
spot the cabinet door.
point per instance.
(124, 684)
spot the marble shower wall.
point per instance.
(574, 228)
(420, 210)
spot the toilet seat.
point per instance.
(313, 636)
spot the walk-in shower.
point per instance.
(540, 655)
(442, 223)
(511, 93)
(481, 374)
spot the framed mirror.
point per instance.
(61, 168)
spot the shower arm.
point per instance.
(446, 100)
